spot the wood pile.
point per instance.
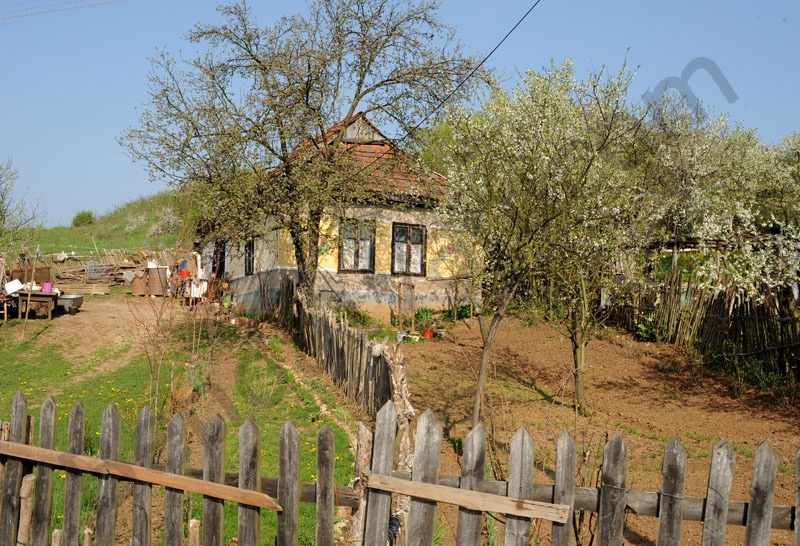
(95, 273)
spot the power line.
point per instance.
(472, 73)
(55, 8)
(455, 90)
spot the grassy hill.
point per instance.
(146, 223)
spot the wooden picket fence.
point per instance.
(355, 363)
(28, 521)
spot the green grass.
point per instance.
(264, 391)
(148, 222)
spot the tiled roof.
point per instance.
(392, 173)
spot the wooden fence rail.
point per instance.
(520, 498)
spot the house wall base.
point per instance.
(375, 293)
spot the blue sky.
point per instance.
(71, 80)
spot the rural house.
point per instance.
(374, 249)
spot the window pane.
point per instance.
(348, 254)
(348, 231)
(416, 259)
(416, 235)
(400, 234)
(365, 254)
(367, 231)
(400, 257)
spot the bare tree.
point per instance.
(17, 215)
(251, 118)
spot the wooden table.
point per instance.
(48, 298)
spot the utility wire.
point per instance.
(55, 8)
(455, 90)
(472, 73)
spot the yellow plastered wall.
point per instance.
(383, 247)
(442, 254)
(328, 245)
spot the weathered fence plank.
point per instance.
(173, 498)
(142, 490)
(249, 477)
(213, 471)
(520, 485)
(110, 437)
(564, 487)
(9, 504)
(673, 485)
(326, 508)
(720, 480)
(612, 492)
(289, 485)
(470, 522)
(74, 479)
(379, 503)
(427, 453)
(762, 497)
(40, 525)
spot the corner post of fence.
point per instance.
(9, 504)
(611, 520)
(288, 485)
(142, 491)
(249, 478)
(360, 472)
(74, 479)
(40, 525)
(470, 522)
(110, 436)
(213, 471)
(173, 498)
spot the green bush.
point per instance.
(83, 218)
(424, 315)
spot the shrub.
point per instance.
(424, 315)
(83, 218)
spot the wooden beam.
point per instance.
(127, 471)
(472, 500)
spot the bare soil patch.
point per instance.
(646, 392)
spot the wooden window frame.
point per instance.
(424, 257)
(358, 225)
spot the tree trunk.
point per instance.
(578, 359)
(305, 234)
(483, 374)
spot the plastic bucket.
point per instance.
(47, 287)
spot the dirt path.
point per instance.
(107, 333)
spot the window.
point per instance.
(408, 249)
(249, 257)
(357, 247)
